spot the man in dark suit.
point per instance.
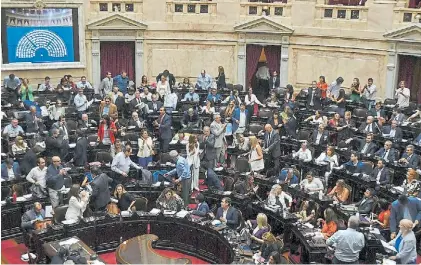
(366, 204)
(80, 157)
(367, 146)
(320, 136)
(32, 120)
(170, 77)
(55, 180)
(165, 132)
(85, 123)
(393, 131)
(29, 160)
(377, 111)
(137, 104)
(272, 147)
(100, 193)
(227, 214)
(274, 81)
(155, 105)
(397, 116)
(380, 173)
(190, 119)
(136, 121)
(212, 180)
(207, 144)
(314, 95)
(409, 159)
(369, 126)
(202, 206)
(53, 144)
(387, 152)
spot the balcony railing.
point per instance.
(191, 7)
(338, 12)
(276, 9)
(407, 15)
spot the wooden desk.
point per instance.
(51, 248)
(139, 250)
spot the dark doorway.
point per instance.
(117, 56)
(410, 72)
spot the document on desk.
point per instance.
(388, 247)
(48, 211)
(68, 241)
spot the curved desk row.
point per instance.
(106, 233)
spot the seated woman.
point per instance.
(186, 84)
(411, 183)
(307, 214)
(77, 203)
(405, 243)
(229, 111)
(145, 82)
(181, 138)
(329, 224)
(276, 258)
(125, 199)
(20, 146)
(269, 245)
(17, 191)
(275, 120)
(317, 118)
(259, 226)
(169, 200)
(277, 197)
(383, 218)
(340, 192)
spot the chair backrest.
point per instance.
(67, 182)
(241, 223)
(304, 135)
(131, 137)
(238, 87)
(360, 113)
(230, 86)
(165, 158)
(60, 213)
(141, 204)
(367, 168)
(72, 125)
(104, 157)
(228, 183)
(242, 165)
(255, 128)
(265, 113)
(92, 138)
(237, 187)
(390, 101)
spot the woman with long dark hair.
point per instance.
(356, 90)
(340, 102)
(77, 203)
(220, 80)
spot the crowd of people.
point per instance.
(44, 137)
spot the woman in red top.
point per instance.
(322, 85)
(334, 123)
(107, 131)
(329, 224)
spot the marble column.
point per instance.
(241, 65)
(139, 61)
(283, 71)
(392, 60)
(96, 63)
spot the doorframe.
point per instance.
(114, 74)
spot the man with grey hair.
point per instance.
(182, 170)
(369, 126)
(218, 129)
(348, 243)
(207, 144)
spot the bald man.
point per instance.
(271, 147)
(55, 180)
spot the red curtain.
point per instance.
(252, 59)
(117, 56)
(273, 57)
(406, 70)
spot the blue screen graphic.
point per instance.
(40, 44)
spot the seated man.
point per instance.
(191, 96)
(204, 81)
(146, 96)
(367, 146)
(381, 173)
(10, 170)
(84, 84)
(213, 96)
(31, 216)
(369, 126)
(85, 123)
(311, 184)
(387, 153)
(287, 176)
(409, 159)
(190, 119)
(320, 136)
(227, 214)
(155, 104)
(353, 165)
(365, 206)
(397, 116)
(136, 121)
(202, 206)
(377, 112)
(303, 153)
(393, 132)
(13, 129)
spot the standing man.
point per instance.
(81, 102)
(314, 97)
(11, 83)
(275, 81)
(404, 208)
(348, 242)
(106, 86)
(207, 144)
(182, 170)
(204, 81)
(272, 147)
(122, 81)
(55, 180)
(100, 192)
(218, 130)
(402, 94)
(121, 166)
(32, 120)
(37, 176)
(370, 93)
(165, 133)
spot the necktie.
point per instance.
(154, 106)
(269, 138)
(365, 148)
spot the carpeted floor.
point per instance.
(11, 252)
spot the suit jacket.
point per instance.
(16, 171)
(399, 118)
(80, 157)
(273, 146)
(100, 192)
(208, 147)
(29, 161)
(53, 146)
(291, 127)
(371, 149)
(165, 131)
(158, 106)
(220, 82)
(134, 123)
(316, 98)
(232, 216)
(397, 212)
(398, 132)
(323, 140)
(202, 210)
(219, 131)
(365, 206)
(346, 133)
(53, 179)
(133, 103)
(413, 160)
(373, 113)
(112, 112)
(213, 181)
(375, 128)
(384, 175)
(277, 82)
(390, 156)
(236, 117)
(31, 125)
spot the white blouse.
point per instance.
(145, 147)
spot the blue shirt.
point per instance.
(122, 83)
(214, 98)
(204, 82)
(283, 177)
(182, 168)
(105, 110)
(13, 84)
(191, 97)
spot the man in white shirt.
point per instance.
(121, 164)
(83, 84)
(46, 86)
(37, 177)
(146, 94)
(311, 184)
(81, 102)
(370, 93)
(303, 153)
(13, 129)
(403, 95)
(170, 101)
(218, 130)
